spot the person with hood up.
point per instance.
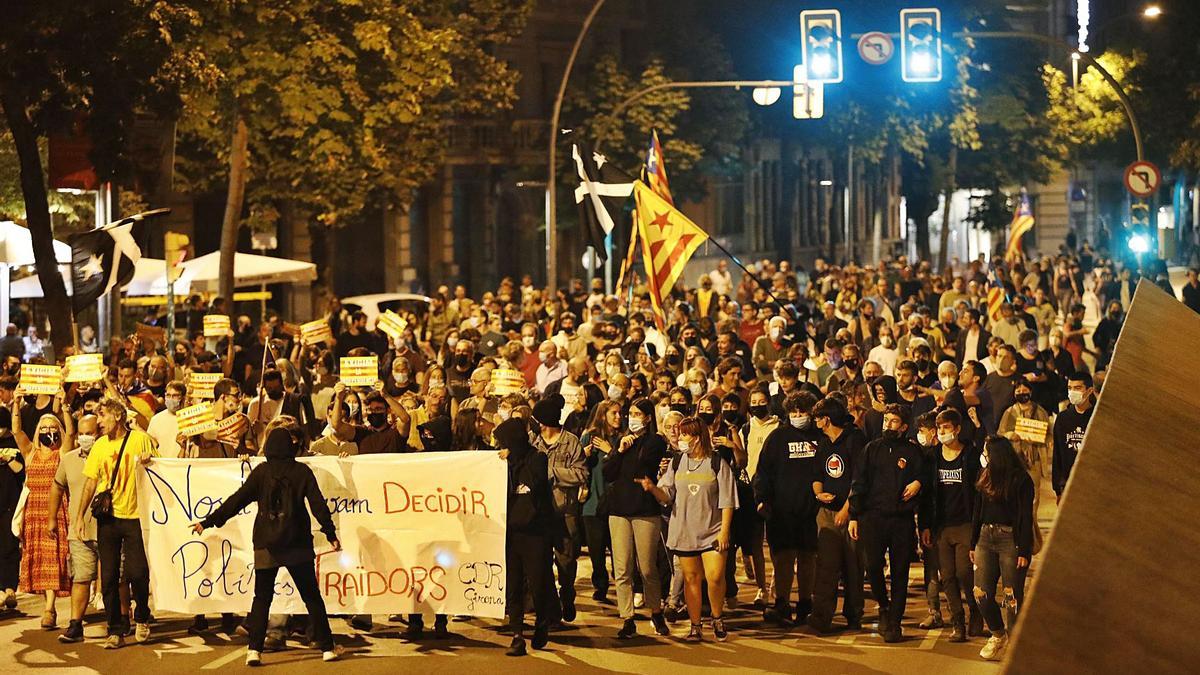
(883, 392)
(282, 532)
(528, 546)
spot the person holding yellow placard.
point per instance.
(1033, 451)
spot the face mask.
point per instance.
(353, 405)
(503, 413)
(462, 360)
(1055, 341)
(1075, 397)
(922, 364)
(732, 417)
(528, 341)
(924, 438)
(275, 394)
(400, 377)
(946, 438)
(776, 334)
(173, 404)
(690, 341)
(614, 392)
(886, 341)
(891, 434)
(474, 321)
(851, 364)
(799, 421)
(835, 362)
(569, 330)
(707, 417)
(50, 439)
(85, 442)
(1022, 398)
(696, 388)
(636, 424)
(681, 408)
(377, 419)
(451, 342)
(947, 382)
(674, 359)
(684, 446)
(758, 411)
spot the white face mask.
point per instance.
(1075, 397)
(799, 421)
(948, 382)
(614, 392)
(451, 342)
(776, 334)
(85, 443)
(983, 462)
(886, 341)
(696, 388)
(636, 424)
(946, 438)
(684, 446)
(504, 413)
(400, 377)
(924, 438)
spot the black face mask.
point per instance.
(377, 419)
(690, 341)
(708, 417)
(50, 439)
(462, 361)
(569, 330)
(674, 359)
(1022, 398)
(891, 434)
(681, 408)
(274, 394)
(922, 365)
(758, 411)
(851, 364)
(733, 417)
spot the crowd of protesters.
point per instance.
(844, 421)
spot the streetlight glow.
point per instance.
(822, 64)
(1138, 244)
(921, 62)
(1152, 12)
(766, 95)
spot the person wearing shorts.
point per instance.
(83, 555)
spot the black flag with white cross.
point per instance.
(600, 195)
(105, 258)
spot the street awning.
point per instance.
(16, 246)
(248, 270)
(149, 278)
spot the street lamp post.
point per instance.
(551, 206)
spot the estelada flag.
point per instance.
(231, 429)
(196, 419)
(655, 171)
(40, 379)
(668, 238)
(995, 298)
(359, 371)
(1022, 222)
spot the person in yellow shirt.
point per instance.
(112, 465)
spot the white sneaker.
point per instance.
(639, 601)
(253, 658)
(994, 649)
(331, 655)
(141, 632)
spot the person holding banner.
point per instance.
(1027, 425)
(164, 427)
(531, 517)
(282, 537)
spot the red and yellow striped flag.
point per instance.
(40, 379)
(359, 371)
(668, 241)
(1022, 222)
(196, 419)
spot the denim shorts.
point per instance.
(82, 557)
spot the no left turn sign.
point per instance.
(876, 48)
(1142, 179)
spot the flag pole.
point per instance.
(738, 262)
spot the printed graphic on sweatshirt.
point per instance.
(834, 466)
(802, 450)
(950, 476)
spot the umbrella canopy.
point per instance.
(248, 270)
(149, 278)
(16, 246)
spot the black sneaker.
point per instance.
(199, 625)
(273, 644)
(778, 614)
(660, 624)
(416, 626)
(361, 622)
(894, 633)
(803, 609)
(441, 630)
(600, 594)
(675, 614)
(540, 637)
(73, 633)
(628, 630)
(517, 648)
(719, 632)
(568, 611)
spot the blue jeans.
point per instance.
(995, 560)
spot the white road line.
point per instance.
(931, 638)
(224, 660)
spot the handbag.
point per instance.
(102, 503)
(18, 520)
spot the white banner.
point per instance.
(421, 532)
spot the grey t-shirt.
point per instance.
(70, 480)
(697, 497)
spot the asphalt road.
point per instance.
(588, 645)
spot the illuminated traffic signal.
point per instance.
(821, 30)
(921, 45)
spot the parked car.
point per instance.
(377, 303)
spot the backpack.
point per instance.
(274, 513)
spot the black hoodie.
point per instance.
(530, 505)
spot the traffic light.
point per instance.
(176, 246)
(921, 45)
(821, 30)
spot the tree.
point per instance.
(104, 59)
(328, 106)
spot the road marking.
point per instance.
(224, 660)
(930, 638)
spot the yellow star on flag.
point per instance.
(667, 246)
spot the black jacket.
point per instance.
(530, 506)
(1019, 507)
(878, 482)
(625, 497)
(786, 470)
(297, 485)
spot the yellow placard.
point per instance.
(196, 419)
(216, 325)
(1031, 430)
(85, 368)
(201, 385)
(151, 333)
(316, 331)
(39, 379)
(360, 371)
(292, 329)
(505, 381)
(392, 324)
